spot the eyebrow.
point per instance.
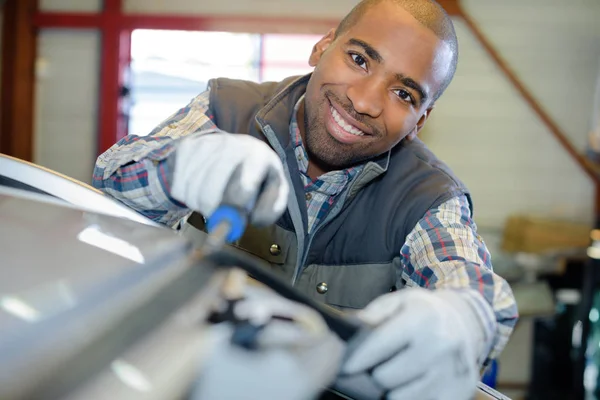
(374, 54)
(411, 83)
(371, 52)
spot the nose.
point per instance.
(367, 97)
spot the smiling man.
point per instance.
(377, 83)
(351, 206)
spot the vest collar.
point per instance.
(276, 114)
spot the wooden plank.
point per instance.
(452, 7)
(18, 78)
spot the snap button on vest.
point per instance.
(275, 249)
(322, 288)
(308, 196)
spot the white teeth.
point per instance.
(344, 125)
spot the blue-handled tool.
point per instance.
(227, 225)
(228, 222)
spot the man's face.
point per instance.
(371, 87)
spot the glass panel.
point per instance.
(71, 5)
(286, 55)
(67, 74)
(169, 68)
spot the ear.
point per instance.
(413, 134)
(320, 47)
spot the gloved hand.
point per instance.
(295, 358)
(204, 165)
(425, 345)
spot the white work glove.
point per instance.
(295, 359)
(205, 165)
(425, 345)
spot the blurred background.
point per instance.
(520, 124)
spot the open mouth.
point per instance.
(345, 125)
(342, 129)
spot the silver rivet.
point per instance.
(322, 288)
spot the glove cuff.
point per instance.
(463, 302)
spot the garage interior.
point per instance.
(520, 124)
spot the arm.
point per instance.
(430, 339)
(138, 170)
(445, 251)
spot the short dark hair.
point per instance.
(427, 12)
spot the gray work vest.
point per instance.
(353, 255)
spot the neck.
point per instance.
(314, 170)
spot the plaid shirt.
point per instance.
(442, 251)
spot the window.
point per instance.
(169, 68)
(285, 55)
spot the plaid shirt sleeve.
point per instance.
(445, 251)
(136, 170)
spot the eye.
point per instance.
(359, 60)
(405, 96)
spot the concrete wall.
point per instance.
(486, 132)
(554, 46)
